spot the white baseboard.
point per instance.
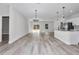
(13, 40)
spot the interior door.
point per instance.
(5, 29)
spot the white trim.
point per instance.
(5, 33)
(13, 40)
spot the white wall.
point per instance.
(0, 29)
(50, 26)
(42, 26)
(18, 25)
(4, 11)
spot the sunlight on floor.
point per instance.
(36, 34)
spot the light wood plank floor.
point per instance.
(42, 44)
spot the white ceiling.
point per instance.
(46, 11)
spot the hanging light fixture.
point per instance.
(57, 15)
(36, 26)
(36, 18)
(63, 13)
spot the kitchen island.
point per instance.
(68, 37)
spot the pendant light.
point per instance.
(36, 18)
(57, 15)
(63, 13)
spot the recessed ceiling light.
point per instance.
(71, 11)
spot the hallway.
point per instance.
(44, 44)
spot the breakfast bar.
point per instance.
(68, 37)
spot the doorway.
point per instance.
(5, 29)
(36, 27)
